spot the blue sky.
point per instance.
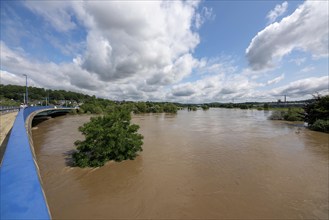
(185, 51)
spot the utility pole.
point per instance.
(24, 98)
(48, 98)
(27, 96)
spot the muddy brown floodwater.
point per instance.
(215, 164)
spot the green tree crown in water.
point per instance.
(108, 137)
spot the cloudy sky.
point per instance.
(185, 51)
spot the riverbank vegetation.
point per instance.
(108, 137)
(99, 106)
(7, 102)
(317, 114)
(205, 107)
(13, 95)
(38, 96)
(192, 108)
(153, 107)
(289, 114)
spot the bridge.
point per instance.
(21, 192)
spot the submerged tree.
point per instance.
(205, 107)
(108, 137)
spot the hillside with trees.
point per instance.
(39, 95)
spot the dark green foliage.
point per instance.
(320, 125)
(108, 137)
(8, 102)
(205, 107)
(16, 93)
(81, 111)
(277, 115)
(154, 107)
(317, 109)
(244, 107)
(317, 113)
(140, 107)
(292, 114)
(170, 108)
(266, 106)
(91, 108)
(192, 108)
(96, 105)
(74, 112)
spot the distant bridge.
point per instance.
(21, 192)
(53, 112)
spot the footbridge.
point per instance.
(21, 192)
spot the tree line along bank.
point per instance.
(314, 111)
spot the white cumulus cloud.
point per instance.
(151, 39)
(303, 87)
(306, 29)
(145, 51)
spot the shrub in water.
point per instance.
(320, 125)
(109, 137)
(290, 115)
(277, 115)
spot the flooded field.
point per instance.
(214, 164)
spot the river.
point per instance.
(219, 164)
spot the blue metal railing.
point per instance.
(7, 109)
(29, 110)
(21, 191)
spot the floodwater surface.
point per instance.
(214, 164)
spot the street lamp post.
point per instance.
(27, 99)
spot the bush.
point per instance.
(205, 107)
(170, 108)
(277, 115)
(290, 115)
(266, 106)
(109, 137)
(293, 115)
(73, 112)
(192, 108)
(317, 109)
(320, 125)
(149, 107)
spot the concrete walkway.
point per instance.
(6, 123)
